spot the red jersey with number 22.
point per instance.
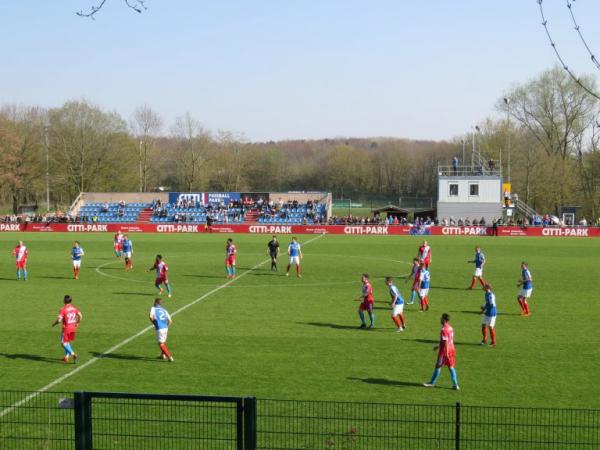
(68, 317)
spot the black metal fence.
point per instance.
(84, 421)
(36, 421)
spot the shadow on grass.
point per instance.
(216, 277)
(267, 274)
(53, 277)
(467, 312)
(125, 357)
(450, 288)
(335, 326)
(31, 358)
(9, 279)
(432, 341)
(141, 294)
(386, 382)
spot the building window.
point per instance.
(453, 190)
(474, 190)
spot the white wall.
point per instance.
(490, 190)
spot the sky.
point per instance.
(290, 69)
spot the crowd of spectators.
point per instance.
(313, 210)
(54, 217)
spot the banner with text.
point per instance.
(356, 230)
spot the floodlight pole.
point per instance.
(47, 167)
(141, 176)
(507, 102)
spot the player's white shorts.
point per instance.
(161, 335)
(489, 321)
(295, 260)
(127, 255)
(423, 292)
(526, 293)
(478, 272)
(77, 263)
(398, 309)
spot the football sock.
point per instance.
(233, 270)
(402, 320)
(24, 274)
(482, 282)
(361, 314)
(493, 334)
(473, 281)
(412, 296)
(227, 270)
(68, 349)
(298, 270)
(521, 304)
(164, 349)
(525, 306)
(453, 376)
(372, 318)
(484, 333)
(168, 288)
(436, 375)
(397, 321)
(64, 346)
(18, 274)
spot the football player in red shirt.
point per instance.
(367, 301)
(69, 317)
(230, 255)
(424, 254)
(446, 353)
(20, 253)
(161, 275)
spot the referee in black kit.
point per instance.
(273, 252)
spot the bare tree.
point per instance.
(192, 142)
(146, 125)
(137, 5)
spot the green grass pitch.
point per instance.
(269, 336)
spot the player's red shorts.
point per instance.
(449, 360)
(366, 306)
(116, 247)
(67, 336)
(160, 280)
(230, 260)
(21, 264)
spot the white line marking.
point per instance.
(59, 380)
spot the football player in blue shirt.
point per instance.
(526, 289)
(76, 255)
(489, 316)
(479, 262)
(161, 319)
(397, 304)
(127, 252)
(295, 253)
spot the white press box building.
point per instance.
(469, 192)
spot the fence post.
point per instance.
(83, 421)
(250, 423)
(457, 427)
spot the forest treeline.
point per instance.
(549, 125)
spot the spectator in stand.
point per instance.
(583, 222)
(104, 208)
